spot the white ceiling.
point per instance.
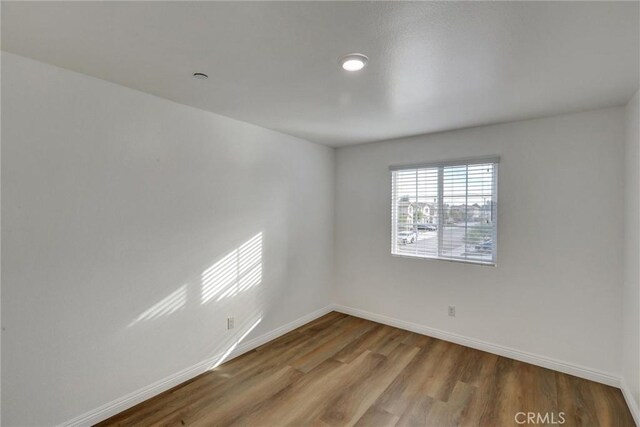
(433, 66)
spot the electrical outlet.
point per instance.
(230, 322)
(452, 310)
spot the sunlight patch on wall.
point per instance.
(235, 344)
(170, 304)
(236, 272)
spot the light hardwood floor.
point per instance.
(340, 370)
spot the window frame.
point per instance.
(494, 161)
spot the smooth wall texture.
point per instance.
(556, 290)
(631, 293)
(132, 227)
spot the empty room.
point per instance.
(320, 213)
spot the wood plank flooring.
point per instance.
(340, 370)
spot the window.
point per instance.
(446, 210)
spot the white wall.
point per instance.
(556, 290)
(631, 293)
(113, 201)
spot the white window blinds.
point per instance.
(446, 210)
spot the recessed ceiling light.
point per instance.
(353, 62)
(200, 76)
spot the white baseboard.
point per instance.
(523, 356)
(631, 402)
(112, 408)
(126, 402)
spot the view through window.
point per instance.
(446, 211)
